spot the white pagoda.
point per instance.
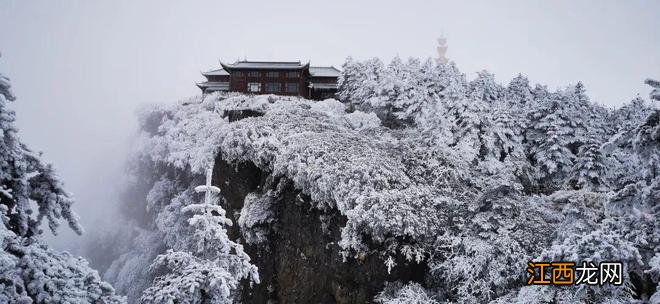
(442, 51)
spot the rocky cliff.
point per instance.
(301, 262)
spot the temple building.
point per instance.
(267, 77)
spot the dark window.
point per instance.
(293, 74)
(254, 74)
(273, 87)
(238, 74)
(273, 74)
(292, 87)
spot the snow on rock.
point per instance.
(256, 212)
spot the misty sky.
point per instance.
(80, 68)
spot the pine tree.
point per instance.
(505, 132)
(589, 170)
(630, 115)
(634, 207)
(518, 91)
(586, 120)
(348, 80)
(394, 97)
(470, 122)
(552, 157)
(484, 87)
(30, 272)
(214, 266)
(549, 138)
(446, 87)
(24, 178)
(361, 83)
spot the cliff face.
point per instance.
(301, 263)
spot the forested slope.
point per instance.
(460, 182)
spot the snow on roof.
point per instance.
(264, 65)
(324, 71)
(218, 72)
(330, 71)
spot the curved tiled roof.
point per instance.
(324, 71)
(284, 65)
(218, 72)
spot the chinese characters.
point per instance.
(564, 273)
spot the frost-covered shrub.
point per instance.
(186, 136)
(360, 120)
(398, 293)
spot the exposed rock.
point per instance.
(241, 114)
(302, 263)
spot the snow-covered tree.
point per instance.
(470, 121)
(360, 85)
(589, 170)
(519, 91)
(349, 79)
(630, 115)
(485, 88)
(30, 272)
(504, 138)
(549, 137)
(214, 265)
(26, 179)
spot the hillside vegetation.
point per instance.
(470, 179)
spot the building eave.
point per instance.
(214, 73)
(207, 84)
(229, 67)
(322, 86)
(225, 67)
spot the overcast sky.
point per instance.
(80, 68)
